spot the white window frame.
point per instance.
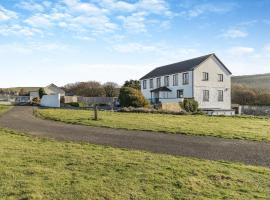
(206, 95)
(220, 95)
(158, 82)
(185, 78)
(178, 96)
(220, 77)
(205, 76)
(175, 80)
(167, 81)
(144, 84)
(151, 83)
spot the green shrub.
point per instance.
(41, 92)
(132, 97)
(190, 105)
(36, 101)
(74, 104)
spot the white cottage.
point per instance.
(206, 79)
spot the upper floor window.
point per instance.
(205, 95)
(158, 82)
(167, 81)
(205, 76)
(220, 77)
(175, 80)
(144, 84)
(185, 78)
(220, 95)
(151, 83)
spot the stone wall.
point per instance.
(171, 107)
(255, 110)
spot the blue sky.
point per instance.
(114, 40)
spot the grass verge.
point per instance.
(247, 128)
(4, 108)
(32, 168)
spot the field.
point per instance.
(261, 81)
(4, 108)
(32, 168)
(250, 128)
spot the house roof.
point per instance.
(161, 89)
(187, 65)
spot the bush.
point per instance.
(41, 92)
(74, 104)
(36, 101)
(190, 105)
(150, 110)
(132, 97)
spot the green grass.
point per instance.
(250, 128)
(4, 108)
(32, 168)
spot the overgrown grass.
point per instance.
(32, 168)
(227, 127)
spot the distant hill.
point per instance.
(260, 81)
(17, 89)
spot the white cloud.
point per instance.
(7, 14)
(31, 6)
(86, 8)
(267, 48)
(135, 23)
(39, 20)
(201, 9)
(134, 48)
(240, 51)
(235, 33)
(7, 30)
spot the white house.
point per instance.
(53, 89)
(206, 79)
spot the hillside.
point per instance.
(260, 81)
(17, 89)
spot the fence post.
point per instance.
(96, 113)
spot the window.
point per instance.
(158, 82)
(205, 76)
(144, 84)
(175, 80)
(167, 81)
(151, 83)
(220, 77)
(180, 94)
(220, 95)
(185, 78)
(206, 95)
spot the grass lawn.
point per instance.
(251, 128)
(4, 108)
(32, 168)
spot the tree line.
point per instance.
(244, 95)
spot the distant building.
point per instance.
(53, 89)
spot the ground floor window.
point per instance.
(180, 94)
(220, 95)
(205, 95)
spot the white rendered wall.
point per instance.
(52, 101)
(188, 93)
(213, 67)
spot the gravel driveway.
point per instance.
(248, 152)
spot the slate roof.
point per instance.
(161, 89)
(184, 66)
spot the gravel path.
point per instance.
(248, 152)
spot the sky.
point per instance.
(65, 41)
